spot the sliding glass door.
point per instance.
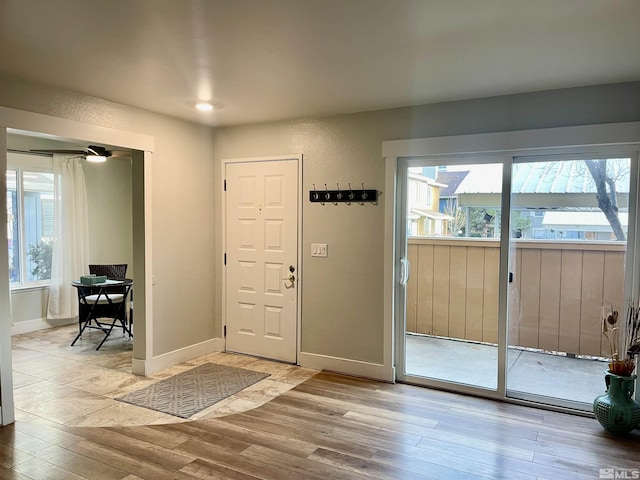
(453, 217)
(569, 230)
(511, 304)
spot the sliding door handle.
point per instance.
(405, 271)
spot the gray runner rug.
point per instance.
(190, 392)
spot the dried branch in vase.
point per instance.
(624, 340)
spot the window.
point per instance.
(30, 204)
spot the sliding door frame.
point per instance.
(482, 158)
(399, 154)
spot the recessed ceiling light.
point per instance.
(204, 106)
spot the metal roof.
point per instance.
(543, 177)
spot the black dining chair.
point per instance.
(115, 271)
(112, 303)
(103, 307)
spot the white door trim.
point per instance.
(223, 219)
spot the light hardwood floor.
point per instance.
(329, 427)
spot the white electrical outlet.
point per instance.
(318, 249)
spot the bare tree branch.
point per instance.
(607, 198)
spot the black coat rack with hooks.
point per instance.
(348, 195)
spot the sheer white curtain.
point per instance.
(70, 257)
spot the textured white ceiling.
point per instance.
(262, 60)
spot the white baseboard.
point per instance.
(39, 324)
(376, 371)
(166, 360)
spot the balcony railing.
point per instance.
(556, 295)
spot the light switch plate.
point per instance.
(318, 249)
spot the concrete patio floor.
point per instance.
(530, 372)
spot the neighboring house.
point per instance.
(424, 217)
(577, 226)
(448, 195)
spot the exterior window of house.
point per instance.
(428, 195)
(30, 205)
(539, 233)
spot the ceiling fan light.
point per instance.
(96, 158)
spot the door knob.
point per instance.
(291, 279)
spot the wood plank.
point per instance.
(436, 464)
(22, 441)
(166, 438)
(367, 466)
(592, 301)
(258, 466)
(570, 304)
(162, 456)
(206, 470)
(189, 430)
(550, 275)
(9, 456)
(613, 289)
(50, 433)
(425, 277)
(364, 431)
(420, 406)
(255, 437)
(529, 298)
(402, 418)
(309, 467)
(38, 469)
(474, 297)
(458, 289)
(491, 295)
(359, 438)
(131, 463)
(10, 474)
(80, 465)
(441, 273)
(288, 431)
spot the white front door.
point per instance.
(261, 258)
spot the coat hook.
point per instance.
(339, 194)
(351, 194)
(327, 195)
(364, 193)
(315, 194)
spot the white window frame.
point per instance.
(21, 163)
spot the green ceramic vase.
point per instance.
(616, 411)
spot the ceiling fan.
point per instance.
(92, 153)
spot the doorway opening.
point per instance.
(54, 129)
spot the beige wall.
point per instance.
(109, 206)
(342, 295)
(182, 205)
